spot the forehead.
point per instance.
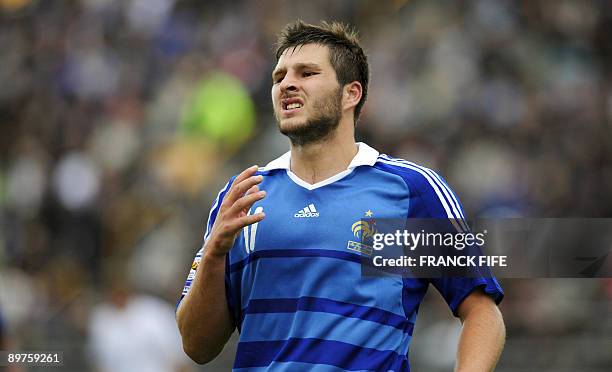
(305, 54)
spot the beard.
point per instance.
(326, 118)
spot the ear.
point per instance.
(351, 95)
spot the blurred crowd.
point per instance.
(121, 120)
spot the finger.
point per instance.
(246, 174)
(247, 202)
(252, 190)
(242, 188)
(250, 219)
(232, 228)
(241, 177)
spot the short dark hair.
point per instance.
(345, 54)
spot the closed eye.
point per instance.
(308, 73)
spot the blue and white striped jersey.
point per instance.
(296, 291)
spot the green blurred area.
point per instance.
(219, 109)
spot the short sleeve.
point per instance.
(455, 289)
(431, 197)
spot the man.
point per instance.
(275, 262)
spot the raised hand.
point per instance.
(232, 215)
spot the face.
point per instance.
(306, 95)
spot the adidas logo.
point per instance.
(309, 211)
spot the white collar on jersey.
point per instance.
(366, 155)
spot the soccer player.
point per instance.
(275, 262)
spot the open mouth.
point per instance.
(292, 105)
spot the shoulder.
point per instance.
(274, 166)
(417, 177)
(430, 195)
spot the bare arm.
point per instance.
(483, 334)
(203, 316)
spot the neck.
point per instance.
(315, 162)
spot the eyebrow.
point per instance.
(297, 66)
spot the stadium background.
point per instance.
(120, 121)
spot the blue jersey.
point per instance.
(294, 285)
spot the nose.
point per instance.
(288, 84)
